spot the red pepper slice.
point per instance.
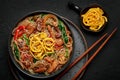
(21, 27)
(19, 31)
(16, 34)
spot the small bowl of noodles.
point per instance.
(41, 45)
(93, 18)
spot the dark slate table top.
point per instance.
(105, 66)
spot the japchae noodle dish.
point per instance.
(42, 43)
(94, 19)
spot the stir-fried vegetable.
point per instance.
(19, 32)
(26, 39)
(66, 54)
(16, 51)
(34, 60)
(41, 15)
(62, 28)
(50, 53)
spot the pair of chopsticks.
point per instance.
(84, 54)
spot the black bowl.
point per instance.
(81, 11)
(86, 9)
(26, 73)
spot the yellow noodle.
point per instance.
(94, 18)
(40, 44)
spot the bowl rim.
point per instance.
(12, 55)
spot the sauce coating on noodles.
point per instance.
(42, 43)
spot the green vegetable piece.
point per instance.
(16, 52)
(59, 25)
(41, 15)
(62, 28)
(66, 39)
(66, 54)
(34, 60)
(26, 39)
(50, 53)
(31, 20)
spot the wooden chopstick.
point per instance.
(79, 58)
(91, 58)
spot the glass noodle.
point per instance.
(41, 43)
